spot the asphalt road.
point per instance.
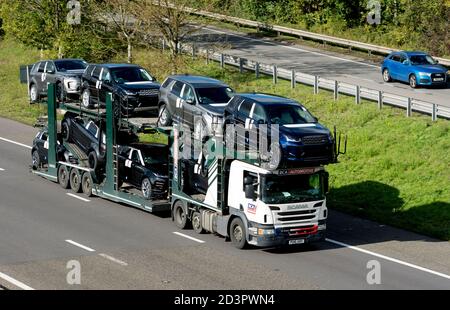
(43, 229)
(313, 61)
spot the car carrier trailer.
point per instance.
(76, 173)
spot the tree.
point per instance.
(119, 18)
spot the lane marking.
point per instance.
(1, 169)
(16, 143)
(80, 246)
(394, 260)
(188, 237)
(15, 282)
(78, 197)
(292, 48)
(113, 259)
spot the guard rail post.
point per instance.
(358, 94)
(293, 81)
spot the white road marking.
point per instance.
(394, 260)
(15, 282)
(1, 169)
(16, 143)
(113, 259)
(294, 48)
(80, 246)
(78, 197)
(188, 237)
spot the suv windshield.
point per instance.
(422, 60)
(130, 74)
(291, 188)
(155, 155)
(288, 115)
(214, 94)
(66, 65)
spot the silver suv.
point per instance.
(195, 101)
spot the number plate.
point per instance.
(438, 79)
(297, 241)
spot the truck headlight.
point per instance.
(322, 227)
(263, 232)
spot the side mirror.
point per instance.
(406, 62)
(51, 71)
(250, 192)
(190, 101)
(316, 120)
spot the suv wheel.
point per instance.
(164, 116)
(34, 93)
(86, 99)
(413, 81)
(386, 76)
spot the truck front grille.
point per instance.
(294, 217)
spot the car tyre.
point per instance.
(75, 180)
(86, 100)
(238, 233)
(65, 131)
(387, 76)
(63, 177)
(146, 188)
(165, 119)
(34, 95)
(93, 160)
(413, 81)
(36, 160)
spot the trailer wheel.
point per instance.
(197, 223)
(63, 177)
(75, 180)
(180, 215)
(35, 160)
(65, 131)
(237, 233)
(86, 184)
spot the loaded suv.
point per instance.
(302, 140)
(65, 73)
(186, 99)
(133, 88)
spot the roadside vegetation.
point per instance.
(396, 170)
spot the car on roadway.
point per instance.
(415, 68)
(195, 101)
(88, 136)
(145, 166)
(39, 150)
(133, 88)
(302, 139)
(64, 73)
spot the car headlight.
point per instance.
(425, 74)
(448, 72)
(129, 93)
(293, 139)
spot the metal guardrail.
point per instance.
(381, 98)
(304, 34)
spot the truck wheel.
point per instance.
(93, 160)
(75, 180)
(146, 188)
(59, 92)
(164, 116)
(238, 234)
(34, 96)
(35, 160)
(179, 215)
(63, 177)
(197, 223)
(65, 131)
(86, 184)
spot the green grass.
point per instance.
(13, 95)
(396, 170)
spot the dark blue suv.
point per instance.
(303, 141)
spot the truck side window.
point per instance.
(252, 175)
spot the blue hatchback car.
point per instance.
(415, 68)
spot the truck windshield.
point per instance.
(291, 188)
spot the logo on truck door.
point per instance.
(251, 208)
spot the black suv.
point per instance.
(65, 73)
(183, 97)
(132, 87)
(88, 136)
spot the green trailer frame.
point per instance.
(108, 188)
